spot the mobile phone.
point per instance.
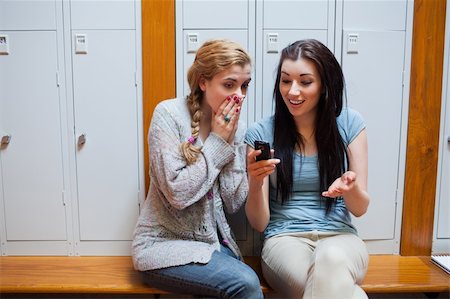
(265, 150)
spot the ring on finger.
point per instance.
(226, 118)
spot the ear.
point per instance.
(202, 84)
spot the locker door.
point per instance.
(105, 112)
(27, 15)
(443, 210)
(101, 14)
(271, 59)
(31, 164)
(374, 88)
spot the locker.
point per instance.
(441, 235)
(443, 212)
(106, 126)
(375, 14)
(374, 88)
(300, 14)
(101, 14)
(27, 15)
(31, 163)
(214, 14)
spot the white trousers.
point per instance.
(315, 265)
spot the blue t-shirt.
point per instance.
(305, 210)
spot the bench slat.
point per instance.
(115, 275)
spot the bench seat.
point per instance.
(115, 275)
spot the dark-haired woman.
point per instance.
(303, 204)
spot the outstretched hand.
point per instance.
(341, 185)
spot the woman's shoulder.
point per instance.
(170, 105)
(265, 123)
(349, 114)
(260, 130)
(175, 109)
(350, 123)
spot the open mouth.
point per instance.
(296, 102)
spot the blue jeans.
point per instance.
(225, 276)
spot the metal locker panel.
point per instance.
(374, 88)
(31, 164)
(105, 111)
(215, 14)
(375, 14)
(239, 36)
(102, 14)
(27, 15)
(271, 59)
(443, 212)
(299, 14)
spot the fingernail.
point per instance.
(228, 98)
(237, 110)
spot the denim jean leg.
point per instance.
(223, 277)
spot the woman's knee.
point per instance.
(248, 285)
(331, 257)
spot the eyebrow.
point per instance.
(304, 74)
(234, 80)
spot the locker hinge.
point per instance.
(396, 197)
(403, 78)
(57, 79)
(135, 79)
(63, 198)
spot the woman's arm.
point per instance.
(183, 184)
(257, 205)
(233, 180)
(352, 185)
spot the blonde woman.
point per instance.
(182, 242)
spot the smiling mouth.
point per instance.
(296, 102)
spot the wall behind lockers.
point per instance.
(371, 40)
(441, 235)
(71, 126)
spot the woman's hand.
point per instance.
(258, 170)
(341, 185)
(225, 121)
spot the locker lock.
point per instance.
(81, 139)
(6, 139)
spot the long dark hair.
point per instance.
(332, 154)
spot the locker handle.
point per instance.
(6, 139)
(82, 139)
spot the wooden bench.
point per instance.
(115, 275)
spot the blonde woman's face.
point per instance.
(232, 81)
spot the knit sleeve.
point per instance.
(233, 177)
(182, 184)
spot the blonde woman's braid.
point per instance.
(188, 150)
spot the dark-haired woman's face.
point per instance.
(300, 87)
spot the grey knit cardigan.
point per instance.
(180, 218)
